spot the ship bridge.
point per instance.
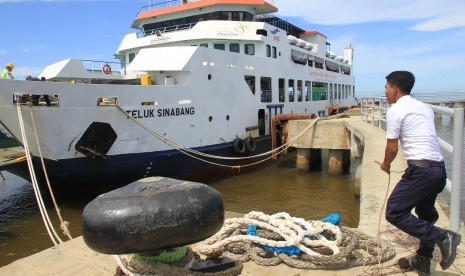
(291, 29)
(184, 14)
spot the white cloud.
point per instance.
(34, 49)
(429, 15)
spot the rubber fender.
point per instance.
(239, 146)
(250, 144)
(152, 214)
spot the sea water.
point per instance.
(275, 187)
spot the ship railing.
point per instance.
(172, 3)
(164, 4)
(163, 30)
(374, 110)
(104, 67)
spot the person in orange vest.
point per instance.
(6, 73)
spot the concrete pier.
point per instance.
(75, 258)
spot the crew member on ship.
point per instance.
(6, 73)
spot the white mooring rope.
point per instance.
(192, 153)
(43, 211)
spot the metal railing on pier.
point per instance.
(374, 111)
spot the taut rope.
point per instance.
(195, 154)
(46, 219)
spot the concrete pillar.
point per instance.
(303, 159)
(358, 175)
(335, 161)
(315, 160)
(346, 161)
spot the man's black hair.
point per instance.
(404, 80)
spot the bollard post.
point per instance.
(456, 170)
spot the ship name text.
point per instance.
(162, 112)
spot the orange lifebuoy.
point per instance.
(106, 69)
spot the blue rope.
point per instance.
(290, 250)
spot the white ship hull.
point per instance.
(200, 99)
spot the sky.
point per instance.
(426, 37)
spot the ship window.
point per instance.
(332, 66)
(274, 52)
(265, 89)
(290, 90)
(281, 90)
(249, 49)
(225, 16)
(204, 45)
(250, 80)
(299, 90)
(268, 50)
(131, 57)
(318, 92)
(219, 46)
(262, 32)
(319, 62)
(345, 69)
(307, 91)
(234, 47)
(237, 16)
(310, 60)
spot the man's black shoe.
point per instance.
(419, 263)
(448, 243)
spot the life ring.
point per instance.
(106, 69)
(239, 146)
(250, 144)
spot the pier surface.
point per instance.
(75, 258)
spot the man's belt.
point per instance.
(425, 163)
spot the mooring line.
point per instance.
(43, 212)
(191, 152)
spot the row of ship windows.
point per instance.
(299, 90)
(271, 51)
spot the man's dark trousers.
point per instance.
(417, 189)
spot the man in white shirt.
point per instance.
(412, 123)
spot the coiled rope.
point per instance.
(342, 250)
(43, 211)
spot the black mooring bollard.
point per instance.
(152, 214)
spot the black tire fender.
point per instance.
(239, 146)
(250, 144)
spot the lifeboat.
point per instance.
(308, 46)
(292, 39)
(301, 43)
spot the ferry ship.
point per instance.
(205, 75)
